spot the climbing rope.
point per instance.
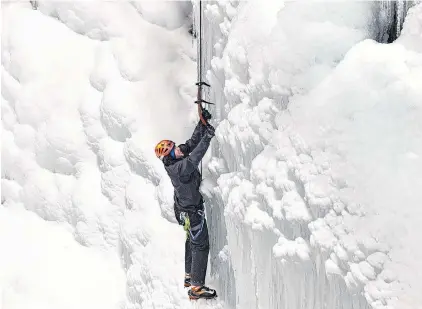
(200, 82)
(200, 64)
(199, 78)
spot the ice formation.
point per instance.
(312, 184)
(87, 90)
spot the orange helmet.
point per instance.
(163, 148)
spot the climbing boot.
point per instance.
(197, 292)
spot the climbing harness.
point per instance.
(196, 230)
(184, 218)
(192, 231)
(200, 82)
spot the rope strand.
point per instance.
(200, 56)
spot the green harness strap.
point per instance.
(186, 226)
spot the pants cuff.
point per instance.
(197, 283)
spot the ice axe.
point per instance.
(199, 101)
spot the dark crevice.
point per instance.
(192, 31)
(390, 19)
(394, 28)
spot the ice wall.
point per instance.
(88, 89)
(390, 16)
(313, 193)
(314, 132)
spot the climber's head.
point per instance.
(167, 148)
(164, 148)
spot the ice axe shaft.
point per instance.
(199, 100)
(203, 101)
(202, 84)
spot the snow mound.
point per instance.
(319, 140)
(88, 88)
(42, 266)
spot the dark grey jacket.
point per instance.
(184, 172)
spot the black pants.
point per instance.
(196, 248)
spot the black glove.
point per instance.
(206, 114)
(210, 131)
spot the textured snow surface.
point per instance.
(318, 166)
(42, 266)
(88, 88)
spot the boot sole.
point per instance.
(204, 297)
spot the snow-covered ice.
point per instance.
(87, 90)
(319, 142)
(42, 266)
(312, 183)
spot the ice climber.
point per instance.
(181, 163)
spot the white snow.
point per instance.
(42, 266)
(333, 158)
(312, 184)
(88, 88)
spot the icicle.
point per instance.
(391, 18)
(400, 15)
(401, 11)
(385, 20)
